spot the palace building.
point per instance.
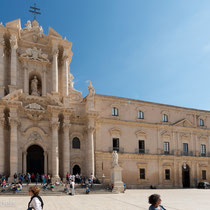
(47, 126)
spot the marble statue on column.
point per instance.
(34, 87)
(116, 174)
(115, 158)
(91, 89)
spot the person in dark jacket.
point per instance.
(155, 202)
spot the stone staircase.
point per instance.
(58, 190)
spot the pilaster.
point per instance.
(13, 71)
(55, 70)
(2, 66)
(55, 152)
(65, 75)
(2, 141)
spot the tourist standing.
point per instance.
(36, 202)
(155, 202)
(15, 178)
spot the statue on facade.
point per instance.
(28, 25)
(34, 87)
(115, 158)
(91, 89)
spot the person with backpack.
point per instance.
(36, 201)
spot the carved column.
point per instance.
(45, 162)
(65, 76)
(66, 149)
(24, 162)
(44, 90)
(55, 71)
(13, 71)
(55, 152)
(90, 152)
(26, 80)
(2, 143)
(2, 69)
(13, 147)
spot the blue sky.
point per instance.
(153, 50)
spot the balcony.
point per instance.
(202, 155)
(142, 151)
(190, 153)
(118, 149)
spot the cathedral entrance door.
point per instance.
(35, 159)
(186, 176)
(76, 170)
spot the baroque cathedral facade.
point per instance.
(47, 126)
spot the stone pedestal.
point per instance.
(116, 179)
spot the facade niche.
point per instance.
(35, 85)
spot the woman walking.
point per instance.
(36, 202)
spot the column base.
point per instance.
(10, 179)
(11, 88)
(55, 178)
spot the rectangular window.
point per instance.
(167, 174)
(185, 148)
(201, 122)
(203, 150)
(166, 148)
(141, 146)
(204, 174)
(141, 115)
(142, 173)
(114, 111)
(165, 118)
(116, 144)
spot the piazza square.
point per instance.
(172, 199)
(54, 135)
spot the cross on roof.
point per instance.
(34, 11)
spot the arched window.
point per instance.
(76, 143)
(165, 118)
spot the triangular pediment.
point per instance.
(184, 123)
(52, 32)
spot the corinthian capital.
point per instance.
(2, 121)
(13, 41)
(66, 126)
(13, 121)
(2, 42)
(55, 52)
(91, 129)
(54, 125)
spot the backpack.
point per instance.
(40, 199)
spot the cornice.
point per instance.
(149, 125)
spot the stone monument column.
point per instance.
(26, 80)
(55, 152)
(45, 162)
(65, 75)
(90, 152)
(55, 71)
(66, 149)
(2, 143)
(13, 147)
(24, 162)
(13, 71)
(2, 69)
(44, 89)
(116, 175)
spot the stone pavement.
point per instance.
(177, 199)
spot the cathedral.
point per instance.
(47, 126)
